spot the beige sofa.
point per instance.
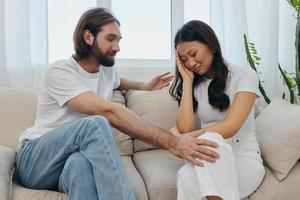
(151, 171)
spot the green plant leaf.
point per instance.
(295, 4)
(288, 82)
(253, 62)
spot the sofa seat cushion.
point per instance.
(18, 107)
(156, 107)
(159, 169)
(272, 189)
(7, 157)
(22, 193)
(135, 179)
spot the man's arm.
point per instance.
(128, 84)
(185, 119)
(187, 146)
(156, 83)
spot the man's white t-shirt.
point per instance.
(63, 81)
(239, 79)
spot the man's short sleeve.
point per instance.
(117, 78)
(63, 85)
(248, 82)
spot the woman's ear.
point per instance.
(88, 37)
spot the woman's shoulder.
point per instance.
(240, 71)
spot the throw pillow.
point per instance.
(7, 157)
(278, 128)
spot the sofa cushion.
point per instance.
(272, 189)
(156, 107)
(22, 193)
(278, 128)
(18, 107)
(7, 157)
(123, 141)
(135, 179)
(159, 171)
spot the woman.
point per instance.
(222, 96)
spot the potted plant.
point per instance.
(291, 80)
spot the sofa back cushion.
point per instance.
(123, 141)
(18, 108)
(156, 107)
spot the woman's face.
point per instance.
(196, 56)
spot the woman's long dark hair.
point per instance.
(199, 31)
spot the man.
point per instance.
(71, 146)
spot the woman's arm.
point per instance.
(236, 115)
(185, 119)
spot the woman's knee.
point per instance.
(224, 149)
(215, 137)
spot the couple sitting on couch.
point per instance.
(71, 147)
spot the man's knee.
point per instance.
(96, 128)
(97, 122)
(98, 119)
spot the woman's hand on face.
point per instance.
(187, 75)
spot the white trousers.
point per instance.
(235, 175)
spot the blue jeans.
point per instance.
(79, 158)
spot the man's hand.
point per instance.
(159, 81)
(175, 131)
(194, 149)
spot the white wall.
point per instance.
(3, 73)
(140, 74)
(142, 69)
(286, 48)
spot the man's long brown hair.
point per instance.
(91, 20)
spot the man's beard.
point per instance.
(102, 59)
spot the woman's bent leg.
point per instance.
(217, 179)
